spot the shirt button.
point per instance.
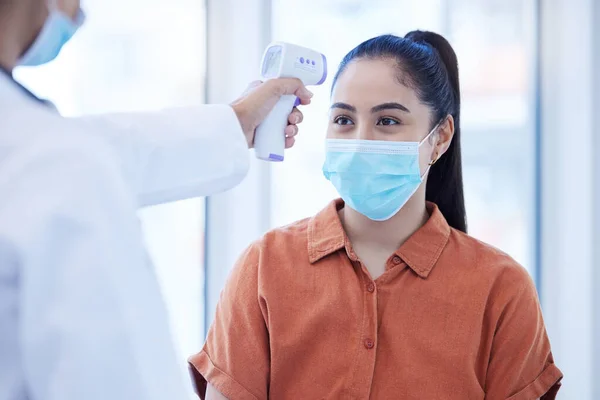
(369, 344)
(396, 260)
(370, 287)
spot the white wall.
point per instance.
(596, 203)
(238, 33)
(570, 50)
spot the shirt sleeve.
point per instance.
(178, 153)
(92, 323)
(521, 365)
(235, 358)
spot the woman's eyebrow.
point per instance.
(344, 106)
(389, 106)
(380, 107)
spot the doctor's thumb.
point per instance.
(290, 86)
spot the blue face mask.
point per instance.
(374, 177)
(58, 29)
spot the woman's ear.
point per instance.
(444, 137)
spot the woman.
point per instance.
(382, 295)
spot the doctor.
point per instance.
(81, 316)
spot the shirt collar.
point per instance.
(420, 252)
(8, 75)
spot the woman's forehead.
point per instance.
(371, 82)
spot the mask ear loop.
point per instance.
(436, 156)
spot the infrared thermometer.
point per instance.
(285, 60)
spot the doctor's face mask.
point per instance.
(385, 131)
(64, 18)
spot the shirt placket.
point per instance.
(367, 347)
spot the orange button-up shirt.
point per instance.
(451, 318)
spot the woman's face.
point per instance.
(370, 103)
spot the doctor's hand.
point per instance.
(260, 98)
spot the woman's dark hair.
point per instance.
(428, 64)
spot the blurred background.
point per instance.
(530, 80)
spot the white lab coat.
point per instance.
(81, 316)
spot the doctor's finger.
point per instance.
(289, 142)
(291, 131)
(295, 117)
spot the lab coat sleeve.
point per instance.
(179, 153)
(92, 322)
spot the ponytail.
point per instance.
(445, 180)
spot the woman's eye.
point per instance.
(343, 121)
(388, 121)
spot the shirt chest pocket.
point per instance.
(316, 322)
